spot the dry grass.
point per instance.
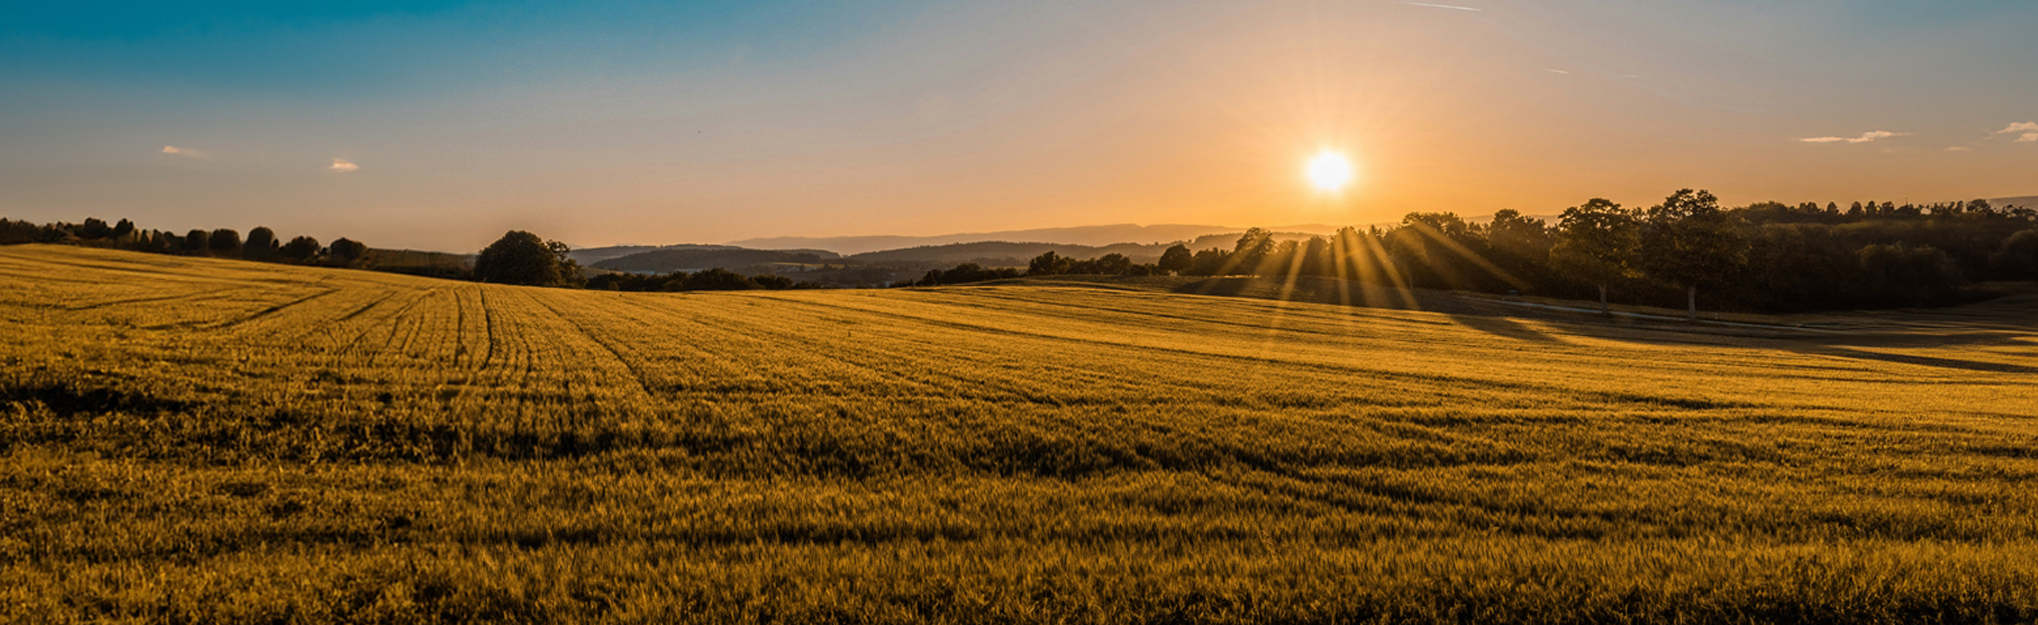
(213, 441)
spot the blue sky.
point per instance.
(440, 124)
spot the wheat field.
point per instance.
(193, 440)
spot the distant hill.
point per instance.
(1079, 235)
(592, 255)
(698, 257)
(2026, 201)
(1004, 253)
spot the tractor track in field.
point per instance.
(488, 327)
(273, 310)
(636, 375)
(386, 296)
(145, 300)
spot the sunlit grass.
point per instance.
(200, 440)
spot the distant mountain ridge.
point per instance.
(594, 255)
(697, 257)
(2026, 201)
(1095, 236)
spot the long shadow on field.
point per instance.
(1999, 323)
(1927, 361)
(1502, 326)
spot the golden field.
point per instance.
(196, 440)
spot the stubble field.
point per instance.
(214, 441)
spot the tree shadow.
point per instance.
(1502, 326)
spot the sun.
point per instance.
(1330, 171)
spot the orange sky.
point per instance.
(649, 125)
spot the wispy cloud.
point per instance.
(1960, 148)
(342, 166)
(1864, 138)
(1555, 71)
(1442, 6)
(2026, 131)
(184, 152)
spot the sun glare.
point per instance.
(1330, 171)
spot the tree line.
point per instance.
(519, 257)
(261, 244)
(1765, 256)
(524, 258)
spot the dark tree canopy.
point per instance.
(1596, 242)
(1177, 259)
(520, 257)
(261, 244)
(2017, 259)
(347, 251)
(224, 242)
(300, 249)
(1689, 241)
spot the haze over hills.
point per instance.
(2022, 200)
(593, 255)
(696, 258)
(1077, 235)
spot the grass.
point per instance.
(212, 441)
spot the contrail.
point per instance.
(1442, 6)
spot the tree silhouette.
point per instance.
(1047, 264)
(94, 228)
(345, 251)
(299, 249)
(224, 242)
(2017, 259)
(1596, 243)
(717, 279)
(520, 257)
(1253, 248)
(261, 245)
(1688, 241)
(1177, 259)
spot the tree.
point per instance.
(94, 228)
(1253, 248)
(194, 241)
(299, 249)
(224, 242)
(1177, 259)
(1113, 264)
(1210, 262)
(1048, 264)
(345, 251)
(1520, 246)
(1596, 243)
(520, 257)
(2017, 259)
(717, 279)
(1901, 274)
(1688, 241)
(261, 244)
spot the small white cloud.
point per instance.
(341, 165)
(1555, 71)
(2026, 131)
(184, 152)
(1864, 138)
(1960, 148)
(1442, 6)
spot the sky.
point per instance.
(439, 125)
